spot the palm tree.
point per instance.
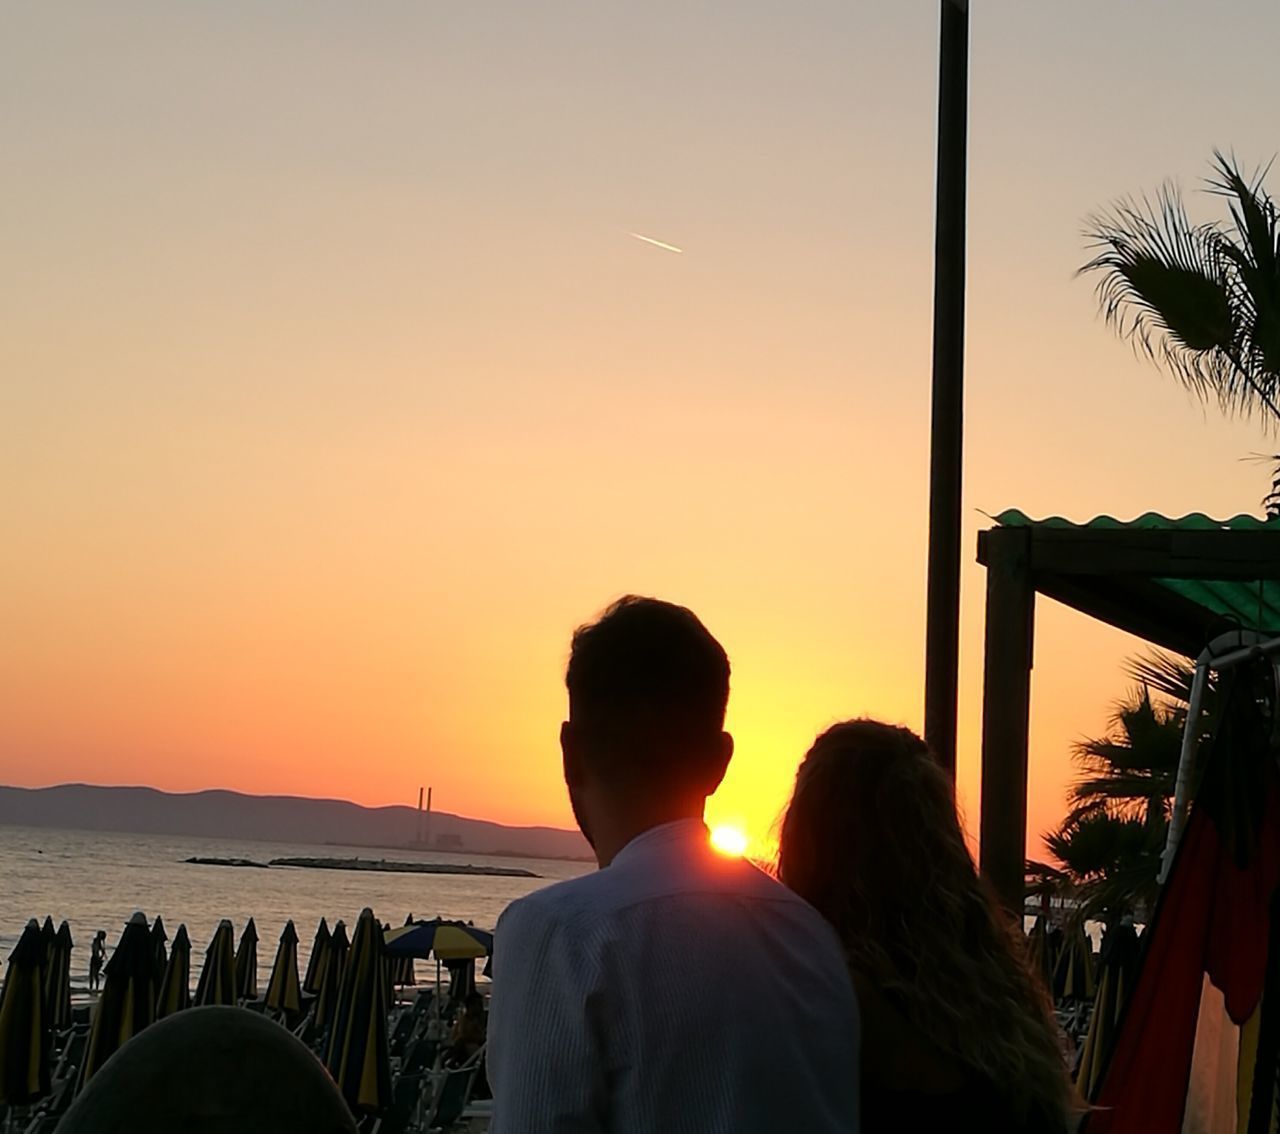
(1110, 842)
(1203, 300)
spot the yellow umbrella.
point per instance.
(247, 963)
(24, 1038)
(283, 991)
(128, 1000)
(358, 1056)
(175, 989)
(218, 976)
(315, 963)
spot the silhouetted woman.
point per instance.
(957, 1033)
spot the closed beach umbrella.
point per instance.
(24, 1044)
(218, 976)
(175, 988)
(358, 1057)
(128, 1000)
(57, 981)
(247, 963)
(284, 994)
(331, 979)
(1073, 979)
(1040, 950)
(403, 972)
(1117, 970)
(158, 938)
(315, 963)
(47, 937)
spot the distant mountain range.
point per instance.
(272, 818)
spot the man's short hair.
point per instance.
(648, 686)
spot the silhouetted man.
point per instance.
(675, 989)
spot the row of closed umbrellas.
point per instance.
(348, 984)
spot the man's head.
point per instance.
(645, 738)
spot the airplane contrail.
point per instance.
(656, 243)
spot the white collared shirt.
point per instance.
(675, 990)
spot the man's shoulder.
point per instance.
(558, 902)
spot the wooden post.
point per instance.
(1006, 713)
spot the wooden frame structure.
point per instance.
(1113, 574)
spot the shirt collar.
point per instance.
(677, 831)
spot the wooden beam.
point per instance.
(1006, 713)
(1221, 555)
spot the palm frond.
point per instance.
(1161, 285)
(1168, 674)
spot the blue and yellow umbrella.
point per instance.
(218, 976)
(24, 1035)
(357, 1055)
(444, 940)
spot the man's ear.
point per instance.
(724, 754)
(570, 753)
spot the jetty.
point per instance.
(382, 865)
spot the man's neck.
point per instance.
(616, 831)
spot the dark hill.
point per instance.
(271, 818)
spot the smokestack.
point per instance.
(418, 833)
(426, 838)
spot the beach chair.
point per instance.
(453, 1092)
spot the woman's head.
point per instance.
(873, 841)
(872, 825)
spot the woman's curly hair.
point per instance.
(873, 841)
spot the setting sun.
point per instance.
(729, 840)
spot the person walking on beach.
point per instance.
(675, 989)
(97, 954)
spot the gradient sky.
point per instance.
(334, 393)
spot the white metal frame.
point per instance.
(1224, 652)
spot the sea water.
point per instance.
(96, 880)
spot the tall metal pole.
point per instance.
(942, 649)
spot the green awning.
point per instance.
(1248, 594)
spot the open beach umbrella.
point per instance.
(128, 1000)
(247, 963)
(315, 963)
(218, 976)
(57, 981)
(335, 962)
(444, 940)
(284, 994)
(158, 938)
(175, 988)
(357, 1055)
(24, 1036)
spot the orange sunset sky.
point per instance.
(334, 392)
